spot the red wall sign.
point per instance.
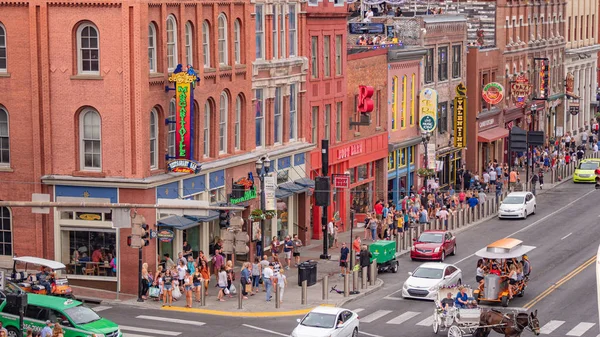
(349, 151)
(341, 181)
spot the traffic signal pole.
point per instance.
(140, 286)
(325, 171)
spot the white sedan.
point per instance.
(424, 282)
(327, 322)
(517, 205)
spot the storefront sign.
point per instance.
(460, 115)
(90, 217)
(574, 106)
(341, 181)
(185, 81)
(245, 187)
(493, 93)
(487, 122)
(184, 166)
(570, 84)
(428, 110)
(165, 235)
(520, 89)
(349, 151)
(270, 187)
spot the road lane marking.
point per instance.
(536, 222)
(358, 310)
(566, 236)
(580, 329)
(134, 335)
(368, 334)
(389, 297)
(403, 318)
(166, 319)
(150, 331)
(101, 308)
(265, 330)
(550, 326)
(426, 322)
(376, 315)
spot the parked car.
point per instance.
(433, 245)
(517, 205)
(327, 322)
(424, 282)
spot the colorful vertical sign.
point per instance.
(185, 82)
(428, 110)
(460, 116)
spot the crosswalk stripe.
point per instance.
(150, 331)
(173, 320)
(580, 329)
(551, 326)
(426, 322)
(358, 310)
(134, 335)
(101, 308)
(376, 315)
(403, 318)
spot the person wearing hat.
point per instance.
(331, 232)
(526, 266)
(47, 330)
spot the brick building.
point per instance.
(88, 117)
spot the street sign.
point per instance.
(535, 138)
(518, 139)
(341, 181)
(165, 235)
(428, 110)
(153, 234)
(40, 197)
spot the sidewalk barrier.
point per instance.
(398, 243)
(363, 284)
(304, 292)
(346, 285)
(240, 296)
(355, 281)
(325, 285)
(202, 298)
(277, 297)
(468, 221)
(373, 267)
(486, 208)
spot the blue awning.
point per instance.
(282, 194)
(177, 222)
(305, 182)
(292, 187)
(212, 215)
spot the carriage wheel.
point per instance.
(454, 331)
(436, 323)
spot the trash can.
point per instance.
(307, 271)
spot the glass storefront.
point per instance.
(282, 218)
(88, 251)
(362, 198)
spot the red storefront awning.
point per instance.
(492, 134)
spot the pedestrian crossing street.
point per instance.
(141, 331)
(425, 319)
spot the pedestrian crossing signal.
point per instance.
(223, 219)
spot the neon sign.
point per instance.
(185, 82)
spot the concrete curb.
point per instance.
(378, 285)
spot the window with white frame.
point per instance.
(314, 52)
(152, 47)
(237, 35)
(275, 27)
(237, 124)
(277, 117)
(292, 30)
(259, 117)
(293, 112)
(282, 48)
(223, 112)
(3, 60)
(206, 138)
(217, 195)
(91, 141)
(206, 43)
(338, 55)
(153, 138)
(4, 138)
(313, 126)
(222, 32)
(171, 42)
(88, 47)
(6, 238)
(326, 55)
(327, 125)
(171, 129)
(338, 122)
(189, 44)
(259, 26)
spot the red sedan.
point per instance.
(433, 245)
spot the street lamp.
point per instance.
(425, 137)
(263, 165)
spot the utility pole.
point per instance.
(325, 173)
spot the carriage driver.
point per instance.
(447, 302)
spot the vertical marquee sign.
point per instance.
(428, 110)
(185, 81)
(460, 116)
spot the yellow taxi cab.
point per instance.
(585, 171)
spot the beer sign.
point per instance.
(493, 93)
(520, 90)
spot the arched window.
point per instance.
(404, 101)
(152, 47)
(238, 123)
(222, 30)
(153, 139)
(171, 42)
(206, 43)
(207, 115)
(91, 140)
(237, 35)
(4, 138)
(88, 49)
(172, 129)
(3, 63)
(189, 37)
(6, 232)
(223, 114)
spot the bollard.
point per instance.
(304, 292)
(325, 285)
(373, 267)
(355, 281)
(364, 278)
(398, 248)
(202, 296)
(240, 296)
(346, 285)
(277, 297)
(352, 259)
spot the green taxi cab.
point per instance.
(76, 319)
(585, 171)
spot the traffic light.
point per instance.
(544, 78)
(129, 241)
(223, 218)
(144, 235)
(322, 187)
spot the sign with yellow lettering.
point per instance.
(428, 110)
(185, 81)
(460, 116)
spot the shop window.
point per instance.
(89, 251)
(282, 218)
(412, 155)
(5, 231)
(363, 172)
(361, 198)
(192, 236)
(403, 157)
(352, 176)
(391, 160)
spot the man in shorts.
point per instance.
(288, 246)
(296, 251)
(344, 254)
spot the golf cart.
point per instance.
(385, 253)
(29, 283)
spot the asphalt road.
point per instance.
(562, 286)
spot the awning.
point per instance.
(491, 135)
(212, 215)
(177, 222)
(292, 187)
(305, 182)
(282, 194)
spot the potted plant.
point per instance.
(270, 214)
(257, 214)
(424, 172)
